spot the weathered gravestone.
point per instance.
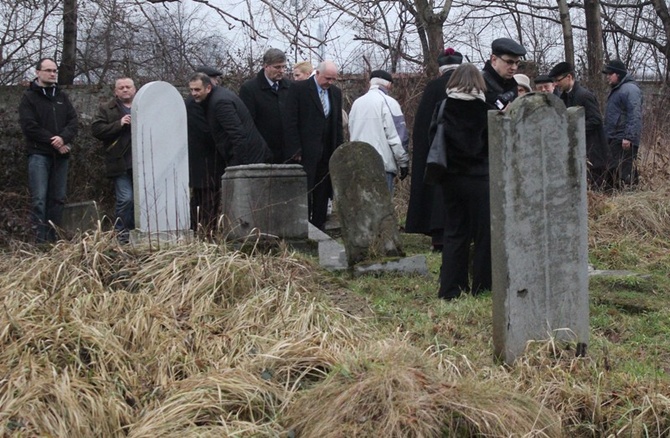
(80, 216)
(363, 203)
(269, 198)
(538, 225)
(160, 163)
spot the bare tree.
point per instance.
(67, 67)
(566, 25)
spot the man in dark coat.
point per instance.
(49, 123)
(235, 135)
(425, 212)
(265, 98)
(111, 125)
(205, 164)
(573, 94)
(499, 71)
(313, 131)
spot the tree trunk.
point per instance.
(66, 71)
(594, 49)
(566, 24)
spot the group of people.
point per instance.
(277, 120)
(456, 212)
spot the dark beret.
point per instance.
(507, 46)
(382, 74)
(209, 71)
(543, 79)
(560, 69)
(615, 66)
(449, 57)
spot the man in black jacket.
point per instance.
(313, 131)
(235, 135)
(499, 71)
(265, 98)
(111, 125)
(49, 123)
(573, 94)
(205, 164)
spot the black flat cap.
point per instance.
(560, 69)
(449, 57)
(615, 66)
(507, 46)
(543, 79)
(209, 71)
(382, 74)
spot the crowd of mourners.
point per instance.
(300, 120)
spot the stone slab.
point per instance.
(80, 216)
(415, 265)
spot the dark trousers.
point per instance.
(467, 219)
(205, 208)
(319, 194)
(623, 170)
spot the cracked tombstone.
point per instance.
(160, 163)
(538, 225)
(363, 203)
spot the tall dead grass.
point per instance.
(198, 340)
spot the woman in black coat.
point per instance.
(466, 185)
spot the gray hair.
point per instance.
(273, 56)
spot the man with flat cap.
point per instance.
(499, 71)
(376, 118)
(623, 124)
(425, 211)
(545, 84)
(265, 97)
(205, 165)
(574, 94)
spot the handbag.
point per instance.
(436, 163)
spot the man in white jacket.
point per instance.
(376, 118)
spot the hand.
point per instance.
(404, 171)
(125, 120)
(625, 144)
(65, 149)
(57, 142)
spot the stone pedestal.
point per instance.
(271, 198)
(538, 224)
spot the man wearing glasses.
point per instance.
(49, 123)
(574, 94)
(265, 98)
(499, 71)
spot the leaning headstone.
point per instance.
(268, 198)
(160, 163)
(80, 216)
(363, 203)
(538, 225)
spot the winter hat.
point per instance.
(616, 66)
(560, 69)
(382, 74)
(523, 81)
(449, 56)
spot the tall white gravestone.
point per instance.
(160, 161)
(537, 153)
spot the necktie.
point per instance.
(323, 95)
(275, 86)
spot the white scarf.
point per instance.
(455, 93)
(447, 67)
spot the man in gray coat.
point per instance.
(623, 124)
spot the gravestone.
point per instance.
(80, 216)
(269, 198)
(160, 163)
(538, 225)
(363, 203)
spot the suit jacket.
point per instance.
(234, 132)
(267, 109)
(306, 125)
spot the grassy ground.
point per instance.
(200, 340)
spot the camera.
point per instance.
(505, 98)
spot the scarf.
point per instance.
(455, 93)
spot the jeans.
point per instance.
(47, 181)
(390, 176)
(125, 204)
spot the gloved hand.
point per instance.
(404, 171)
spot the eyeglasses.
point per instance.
(50, 70)
(560, 79)
(510, 62)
